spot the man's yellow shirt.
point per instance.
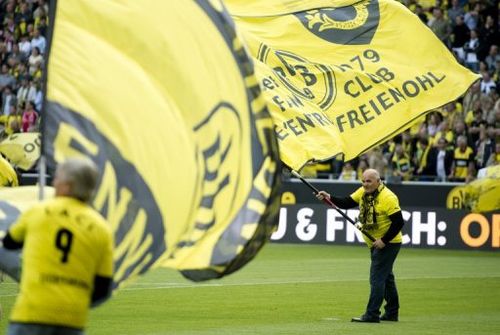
(386, 204)
(66, 243)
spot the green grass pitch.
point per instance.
(307, 289)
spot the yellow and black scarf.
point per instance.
(367, 214)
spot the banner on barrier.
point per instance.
(425, 227)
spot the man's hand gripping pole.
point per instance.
(332, 205)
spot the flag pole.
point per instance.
(42, 178)
(332, 205)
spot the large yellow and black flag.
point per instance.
(161, 95)
(342, 76)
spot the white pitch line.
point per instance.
(161, 286)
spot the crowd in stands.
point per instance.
(23, 46)
(456, 141)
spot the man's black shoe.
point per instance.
(389, 318)
(364, 318)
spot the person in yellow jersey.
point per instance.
(67, 256)
(381, 216)
(401, 164)
(462, 168)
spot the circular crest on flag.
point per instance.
(304, 79)
(350, 25)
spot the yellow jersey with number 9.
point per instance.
(66, 243)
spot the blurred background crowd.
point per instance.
(452, 143)
(23, 46)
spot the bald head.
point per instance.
(371, 173)
(371, 180)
